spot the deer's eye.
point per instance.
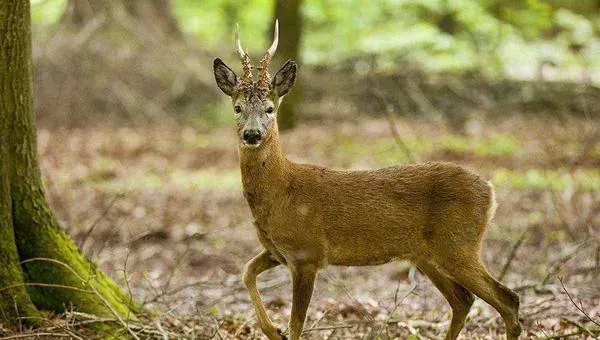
(270, 109)
(237, 109)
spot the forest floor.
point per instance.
(161, 210)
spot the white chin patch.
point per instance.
(250, 146)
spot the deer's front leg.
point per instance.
(303, 280)
(253, 268)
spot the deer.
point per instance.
(307, 217)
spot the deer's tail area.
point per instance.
(491, 211)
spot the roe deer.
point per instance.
(306, 216)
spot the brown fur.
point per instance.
(432, 214)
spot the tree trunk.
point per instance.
(40, 266)
(290, 18)
(155, 16)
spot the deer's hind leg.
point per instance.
(458, 297)
(253, 268)
(472, 274)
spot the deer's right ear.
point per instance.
(285, 78)
(225, 77)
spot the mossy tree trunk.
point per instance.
(290, 17)
(41, 268)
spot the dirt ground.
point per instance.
(161, 210)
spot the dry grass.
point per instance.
(163, 205)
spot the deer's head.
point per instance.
(255, 103)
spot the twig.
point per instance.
(217, 331)
(561, 215)
(568, 335)
(31, 335)
(314, 325)
(126, 278)
(102, 298)
(241, 328)
(578, 306)
(597, 265)
(397, 302)
(416, 95)
(88, 30)
(580, 327)
(93, 226)
(392, 124)
(327, 328)
(72, 333)
(49, 285)
(173, 291)
(560, 263)
(534, 286)
(165, 336)
(364, 313)
(512, 254)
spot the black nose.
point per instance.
(251, 136)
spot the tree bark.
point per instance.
(40, 266)
(290, 19)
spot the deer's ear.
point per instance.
(225, 77)
(285, 78)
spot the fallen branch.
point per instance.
(568, 335)
(327, 328)
(580, 326)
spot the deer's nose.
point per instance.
(251, 136)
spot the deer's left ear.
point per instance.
(225, 77)
(285, 78)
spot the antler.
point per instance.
(246, 63)
(264, 77)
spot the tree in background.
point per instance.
(119, 61)
(290, 17)
(153, 15)
(41, 268)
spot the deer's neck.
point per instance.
(264, 174)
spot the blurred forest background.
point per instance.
(139, 157)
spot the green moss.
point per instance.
(534, 179)
(87, 278)
(501, 145)
(187, 180)
(14, 302)
(456, 144)
(84, 287)
(23, 207)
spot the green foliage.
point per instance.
(535, 179)
(46, 12)
(436, 35)
(214, 22)
(501, 145)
